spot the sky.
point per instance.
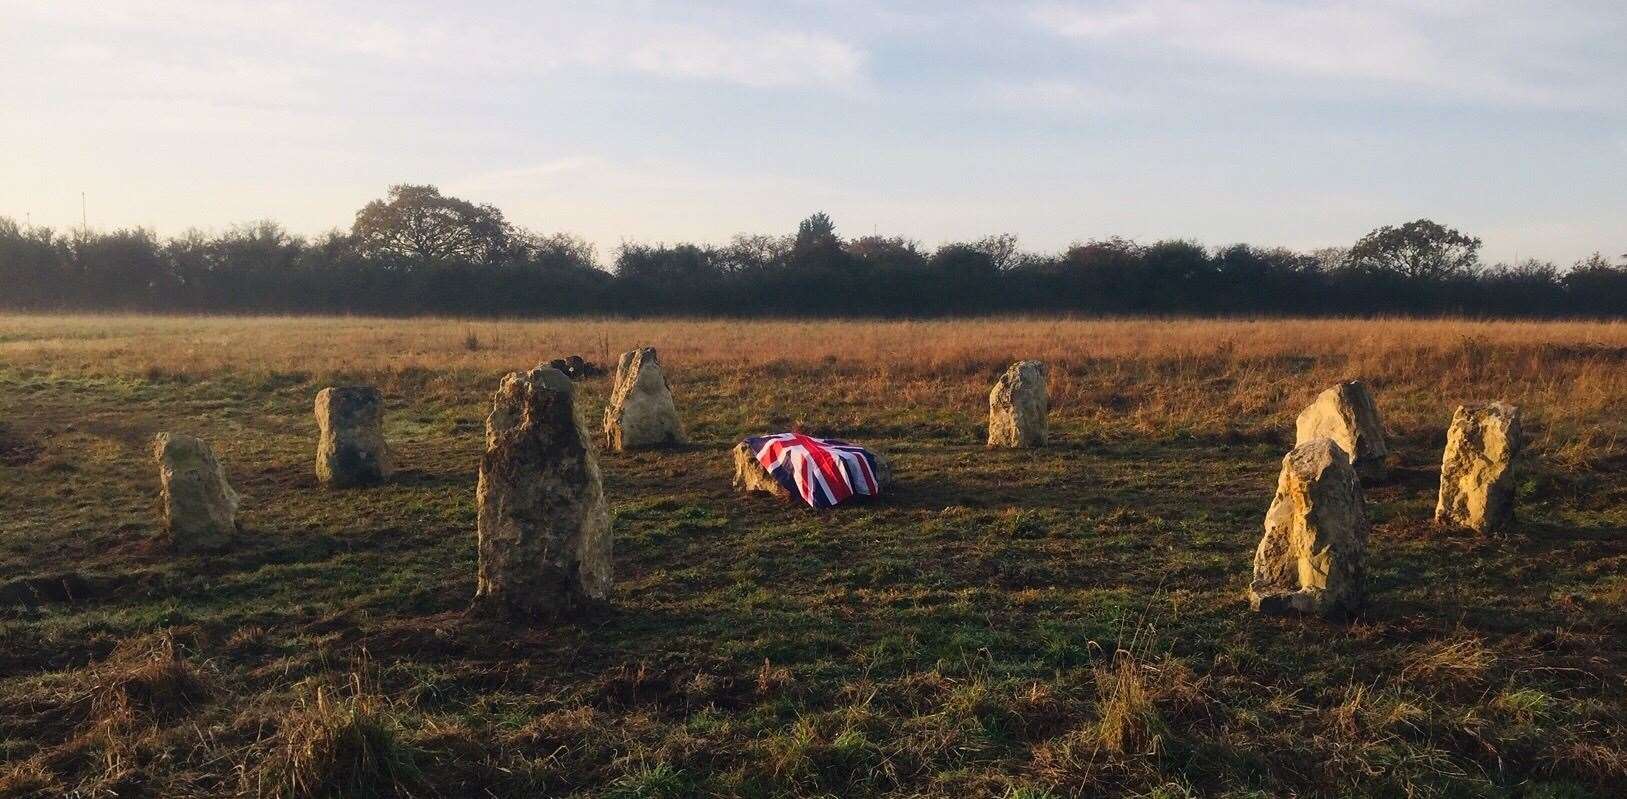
(1299, 124)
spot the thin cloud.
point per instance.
(1471, 49)
(508, 177)
(525, 39)
(760, 60)
(1061, 96)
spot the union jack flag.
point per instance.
(825, 472)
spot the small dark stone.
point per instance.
(576, 367)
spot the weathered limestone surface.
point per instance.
(200, 507)
(641, 413)
(350, 449)
(750, 476)
(1018, 404)
(1347, 414)
(1477, 469)
(1310, 559)
(544, 535)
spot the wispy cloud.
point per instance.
(511, 39)
(765, 59)
(508, 178)
(1511, 52)
(1330, 39)
(1061, 95)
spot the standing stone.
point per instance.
(544, 528)
(351, 450)
(641, 413)
(1017, 406)
(200, 507)
(1477, 470)
(1347, 414)
(1310, 559)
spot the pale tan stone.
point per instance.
(1018, 405)
(350, 447)
(1311, 558)
(200, 507)
(1478, 467)
(1347, 414)
(750, 476)
(641, 413)
(544, 535)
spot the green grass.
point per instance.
(956, 638)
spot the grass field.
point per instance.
(1060, 622)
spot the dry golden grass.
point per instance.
(1129, 376)
(206, 345)
(1463, 660)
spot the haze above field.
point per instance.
(1273, 123)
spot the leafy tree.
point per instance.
(961, 277)
(816, 234)
(32, 265)
(1176, 274)
(122, 269)
(659, 265)
(889, 253)
(419, 223)
(1100, 275)
(1596, 287)
(1420, 250)
(1274, 280)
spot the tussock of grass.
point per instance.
(339, 743)
(1605, 763)
(1526, 705)
(149, 679)
(29, 779)
(772, 679)
(658, 781)
(117, 711)
(1459, 661)
(1130, 722)
(1367, 714)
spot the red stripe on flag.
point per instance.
(834, 478)
(869, 477)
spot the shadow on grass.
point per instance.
(1539, 534)
(418, 478)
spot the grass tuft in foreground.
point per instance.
(339, 742)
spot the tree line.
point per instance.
(418, 251)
